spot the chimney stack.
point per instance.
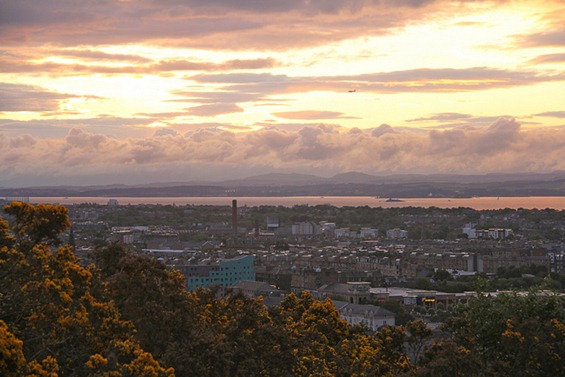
(234, 216)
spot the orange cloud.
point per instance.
(18, 97)
(310, 115)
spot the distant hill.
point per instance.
(344, 184)
(354, 177)
(275, 179)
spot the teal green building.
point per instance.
(222, 274)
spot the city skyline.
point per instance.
(101, 92)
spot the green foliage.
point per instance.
(12, 360)
(244, 327)
(509, 335)
(423, 283)
(517, 272)
(441, 275)
(6, 240)
(418, 335)
(154, 300)
(553, 235)
(401, 317)
(54, 312)
(42, 223)
(379, 355)
(281, 245)
(447, 359)
(180, 216)
(198, 334)
(108, 258)
(325, 346)
(194, 333)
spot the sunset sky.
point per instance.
(101, 92)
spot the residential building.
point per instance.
(494, 233)
(396, 233)
(371, 316)
(342, 232)
(254, 289)
(557, 261)
(273, 223)
(368, 233)
(470, 231)
(306, 228)
(352, 292)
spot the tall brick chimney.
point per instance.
(234, 216)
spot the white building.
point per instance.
(342, 232)
(368, 233)
(306, 228)
(272, 223)
(396, 233)
(363, 233)
(499, 233)
(113, 202)
(371, 316)
(469, 230)
(494, 233)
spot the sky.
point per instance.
(132, 92)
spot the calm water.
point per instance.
(540, 202)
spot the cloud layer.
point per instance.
(219, 24)
(501, 146)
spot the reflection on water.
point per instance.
(539, 202)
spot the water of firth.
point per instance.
(482, 203)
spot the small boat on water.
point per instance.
(389, 200)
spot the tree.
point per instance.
(511, 334)
(324, 345)
(169, 320)
(401, 317)
(448, 359)
(423, 283)
(442, 275)
(364, 355)
(193, 332)
(244, 328)
(42, 223)
(6, 240)
(419, 335)
(107, 258)
(58, 309)
(13, 362)
(314, 328)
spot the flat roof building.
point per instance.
(222, 274)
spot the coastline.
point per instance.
(478, 203)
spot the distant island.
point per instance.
(345, 184)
